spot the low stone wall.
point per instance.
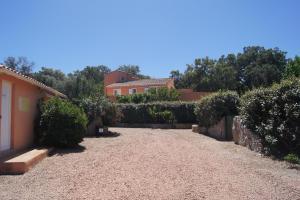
(244, 137)
(161, 126)
(221, 131)
(217, 131)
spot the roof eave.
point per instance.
(31, 81)
(114, 86)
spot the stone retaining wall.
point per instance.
(244, 137)
(221, 131)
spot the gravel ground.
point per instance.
(155, 164)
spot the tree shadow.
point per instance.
(109, 134)
(69, 150)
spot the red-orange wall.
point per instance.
(190, 95)
(124, 90)
(109, 91)
(117, 77)
(22, 122)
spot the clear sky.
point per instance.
(157, 35)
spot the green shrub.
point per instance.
(158, 116)
(274, 115)
(183, 112)
(211, 109)
(62, 124)
(153, 95)
(292, 158)
(100, 107)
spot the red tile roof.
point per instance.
(143, 82)
(18, 75)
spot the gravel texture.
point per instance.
(155, 164)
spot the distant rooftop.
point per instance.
(142, 82)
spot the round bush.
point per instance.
(274, 115)
(62, 124)
(211, 109)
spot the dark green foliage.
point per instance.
(254, 67)
(86, 82)
(100, 107)
(292, 158)
(134, 70)
(21, 64)
(260, 66)
(51, 77)
(62, 124)
(153, 94)
(293, 68)
(158, 116)
(274, 115)
(183, 112)
(211, 109)
(134, 98)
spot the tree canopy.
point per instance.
(254, 67)
(293, 68)
(22, 64)
(134, 70)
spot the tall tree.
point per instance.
(51, 77)
(95, 73)
(87, 82)
(260, 66)
(134, 70)
(254, 67)
(22, 64)
(224, 74)
(177, 76)
(293, 68)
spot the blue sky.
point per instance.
(157, 35)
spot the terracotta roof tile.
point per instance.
(30, 80)
(142, 82)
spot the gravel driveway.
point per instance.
(155, 164)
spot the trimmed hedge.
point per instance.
(61, 124)
(169, 112)
(153, 95)
(211, 109)
(274, 115)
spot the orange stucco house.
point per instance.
(18, 108)
(122, 83)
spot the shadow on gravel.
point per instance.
(110, 134)
(105, 135)
(63, 151)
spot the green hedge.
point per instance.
(153, 95)
(168, 112)
(211, 109)
(61, 123)
(274, 115)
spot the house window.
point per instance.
(117, 92)
(132, 90)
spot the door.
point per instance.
(5, 133)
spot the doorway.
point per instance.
(5, 131)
